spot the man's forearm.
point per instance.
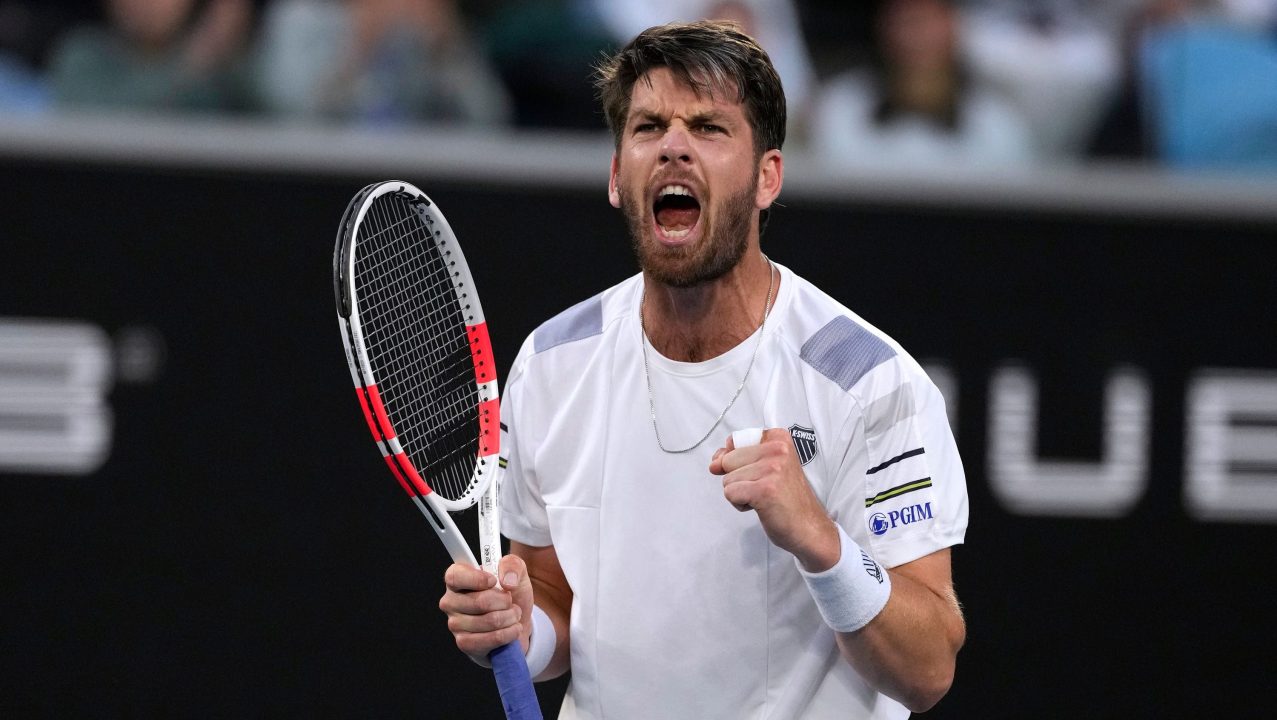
(553, 596)
(909, 651)
(561, 658)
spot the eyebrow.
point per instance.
(707, 116)
(645, 114)
(703, 116)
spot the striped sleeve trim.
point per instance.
(902, 456)
(897, 491)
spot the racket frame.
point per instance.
(484, 486)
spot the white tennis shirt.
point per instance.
(682, 608)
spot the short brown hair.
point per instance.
(708, 56)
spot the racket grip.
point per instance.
(747, 437)
(513, 682)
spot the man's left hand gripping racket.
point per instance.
(419, 353)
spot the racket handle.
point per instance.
(513, 682)
(747, 437)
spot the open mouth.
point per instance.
(676, 211)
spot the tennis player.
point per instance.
(674, 574)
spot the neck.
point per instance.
(702, 322)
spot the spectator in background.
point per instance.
(28, 29)
(916, 105)
(773, 23)
(1256, 13)
(838, 34)
(1201, 89)
(1123, 131)
(376, 62)
(544, 50)
(165, 55)
(22, 90)
(1058, 61)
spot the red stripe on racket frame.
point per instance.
(485, 370)
(394, 468)
(363, 405)
(411, 472)
(379, 410)
(383, 432)
(489, 428)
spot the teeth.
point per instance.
(675, 190)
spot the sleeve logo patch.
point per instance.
(881, 523)
(804, 442)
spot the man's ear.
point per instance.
(613, 195)
(771, 176)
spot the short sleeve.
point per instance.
(914, 487)
(523, 514)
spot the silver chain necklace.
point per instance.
(647, 375)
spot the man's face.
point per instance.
(687, 181)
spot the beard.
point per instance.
(719, 250)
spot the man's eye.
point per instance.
(645, 127)
(710, 128)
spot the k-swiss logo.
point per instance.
(804, 442)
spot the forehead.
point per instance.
(661, 92)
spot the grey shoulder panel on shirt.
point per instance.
(844, 351)
(583, 320)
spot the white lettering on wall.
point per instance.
(1230, 458)
(54, 377)
(1029, 485)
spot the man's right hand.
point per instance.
(483, 616)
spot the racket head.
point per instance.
(417, 344)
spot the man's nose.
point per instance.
(675, 146)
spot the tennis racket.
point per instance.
(419, 353)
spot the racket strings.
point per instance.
(417, 345)
(424, 359)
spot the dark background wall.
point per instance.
(241, 551)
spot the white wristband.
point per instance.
(853, 591)
(540, 644)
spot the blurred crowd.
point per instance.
(992, 83)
